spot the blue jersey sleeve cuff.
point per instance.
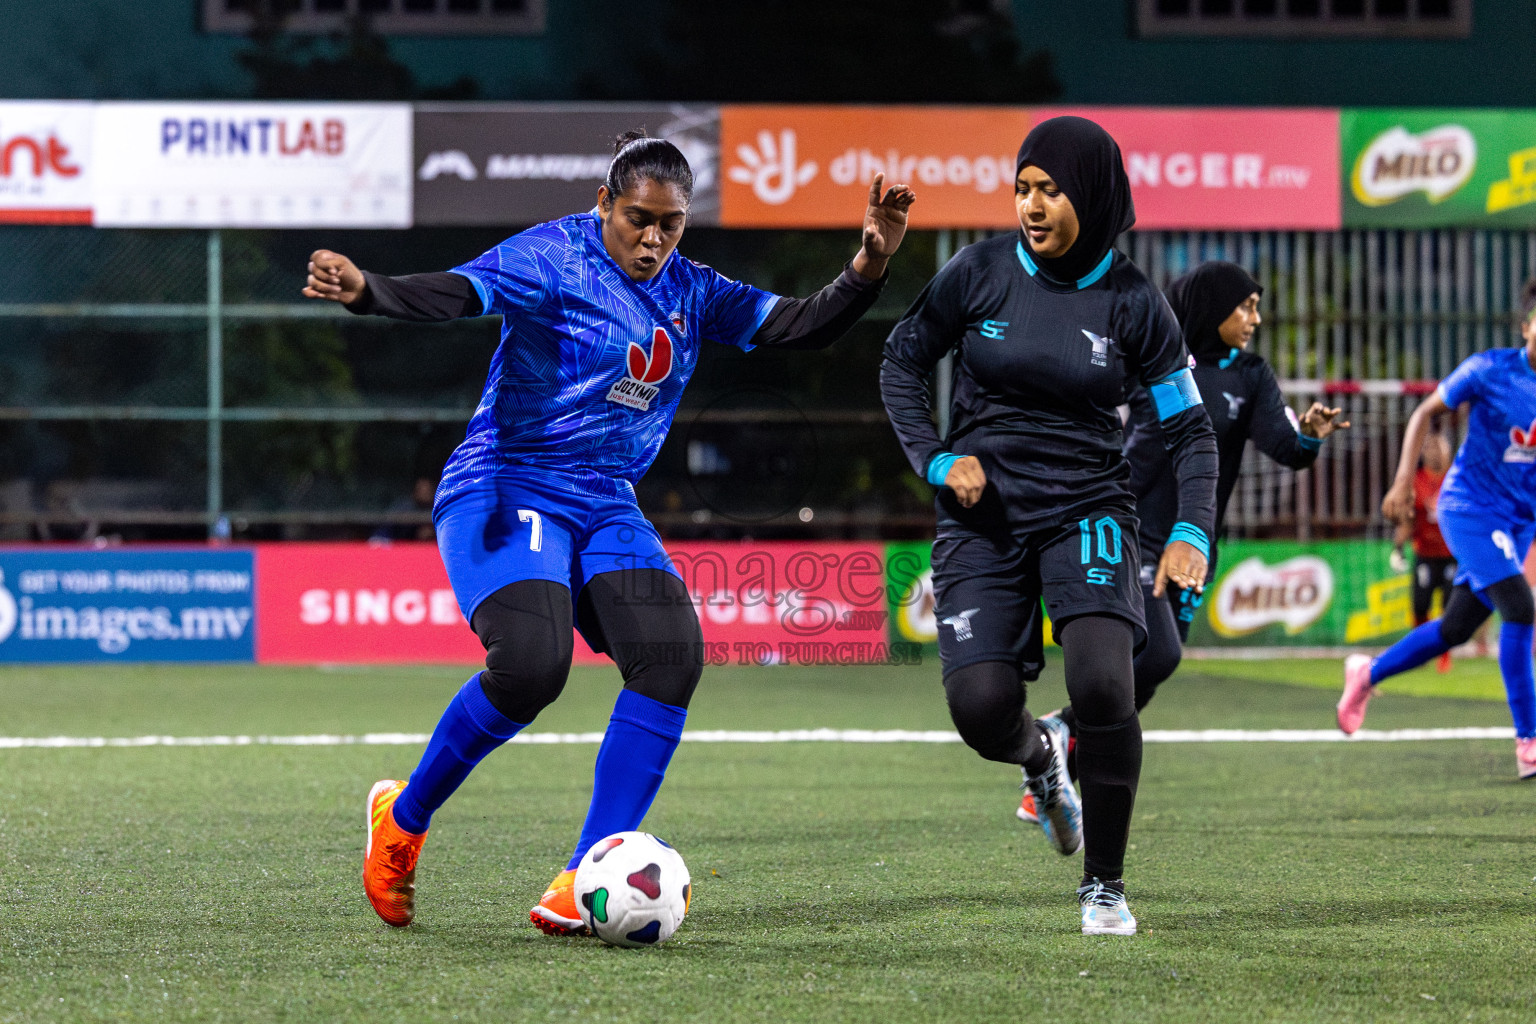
(1192, 535)
(1311, 444)
(479, 286)
(938, 467)
(1175, 393)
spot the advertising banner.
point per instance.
(45, 162)
(1321, 594)
(1429, 168)
(256, 165)
(1221, 169)
(1226, 169)
(787, 603)
(161, 604)
(518, 165)
(765, 603)
(810, 167)
(350, 603)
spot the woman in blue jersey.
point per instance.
(1487, 513)
(536, 516)
(1052, 329)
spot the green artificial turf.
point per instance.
(859, 882)
(1469, 678)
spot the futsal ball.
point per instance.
(632, 889)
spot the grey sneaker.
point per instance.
(1056, 801)
(1104, 909)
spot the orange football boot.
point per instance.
(556, 913)
(389, 860)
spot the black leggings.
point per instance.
(1464, 612)
(642, 618)
(986, 701)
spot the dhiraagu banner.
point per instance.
(1321, 594)
(1428, 167)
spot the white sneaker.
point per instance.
(1056, 801)
(1104, 909)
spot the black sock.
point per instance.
(1109, 758)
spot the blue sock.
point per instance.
(470, 729)
(1519, 680)
(641, 736)
(1413, 650)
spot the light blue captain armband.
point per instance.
(1192, 535)
(1311, 444)
(1175, 393)
(938, 467)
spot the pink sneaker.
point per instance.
(1525, 757)
(1357, 692)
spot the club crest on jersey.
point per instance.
(1100, 347)
(1522, 444)
(646, 370)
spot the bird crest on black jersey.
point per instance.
(1100, 347)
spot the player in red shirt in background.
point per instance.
(1434, 567)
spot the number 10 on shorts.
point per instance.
(1103, 533)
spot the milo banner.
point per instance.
(1322, 594)
(1431, 168)
(1267, 594)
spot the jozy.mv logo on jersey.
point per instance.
(646, 371)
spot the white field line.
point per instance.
(392, 739)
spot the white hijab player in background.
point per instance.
(536, 516)
(1487, 513)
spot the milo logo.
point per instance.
(1398, 163)
(1253, 595)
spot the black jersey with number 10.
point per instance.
(1040, 371)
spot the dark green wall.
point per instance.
(153, 48)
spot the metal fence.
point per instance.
(1369, 321)
(186, 376)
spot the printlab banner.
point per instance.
(1427, 168)
(517, 165)
(257, 165)
(46, 170)
(159, 604)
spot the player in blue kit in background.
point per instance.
(536, 516)
(1488, 515)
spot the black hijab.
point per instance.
(1203, 298)
(1085, 162)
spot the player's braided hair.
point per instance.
(637, 156)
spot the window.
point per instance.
(1367, 18)
(389, 17)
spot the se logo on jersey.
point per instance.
(646, 371)
(1522, 444)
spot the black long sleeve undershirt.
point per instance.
(814, 322)
(421, 298)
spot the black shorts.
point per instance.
(1430, 575)
(988, 588)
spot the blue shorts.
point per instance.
(533, 528)
(1487, 550)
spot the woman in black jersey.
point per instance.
(1052, 329)
(1218, 308)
